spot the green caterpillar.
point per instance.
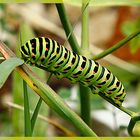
(49, 55)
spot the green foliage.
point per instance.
(26, 33)
(48, 95)
(6, 67)
(117, 45)
(128, 28)
(57, 104)
(18, 128)
(27, 122)
(136, 131)
(106, 2)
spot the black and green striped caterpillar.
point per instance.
(49, 55)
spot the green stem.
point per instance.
(68, 28)
(134, 116)
(130, 127)
(138, 95)
(84, 91)
(116, 46)
(85, 104)
(35, 113)
(48, 95)
(85, 25)
(37, 108)
(132, 123)
(27, 123)
(125, 110)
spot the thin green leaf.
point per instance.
(27, 1)
(106, 2)
(26, 33)
(55, 102)
(129, 27)
(18, 129)
(138, 95)
(27, 122)
(67, 27)
(84, 91)
(7, 66)
(117, 46)
(35, 113)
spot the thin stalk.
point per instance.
(27, 122)
(54, 123)
(116, 46)
(54, 101)
(138, 95)
(67, 27)
(48, 95)
(125, 110)
(84, 91)
(37, 108)
(85, 25)
(132, 124)
(35, 113)
(130, 127)
(85, 111)
(85, 104)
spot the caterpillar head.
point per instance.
(25, 54)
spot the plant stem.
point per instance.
(85, 104)
(138, 95)
(125, 110)
(46, 120)
(130, 127)
(85, 25)
(84, 91)
(132, 123)
(116, 46)
(28, 130)
(36, 111)
(68, 28)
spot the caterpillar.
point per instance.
(49, 55)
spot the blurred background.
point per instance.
(107, 26)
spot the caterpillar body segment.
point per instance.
(48, 54)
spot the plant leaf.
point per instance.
(56, 103)
(27, 129)
(128, 28)
(7, 66)
(27, 33)
(105, 2)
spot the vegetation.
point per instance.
(37, 94)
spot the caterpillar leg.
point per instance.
(94, 89)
